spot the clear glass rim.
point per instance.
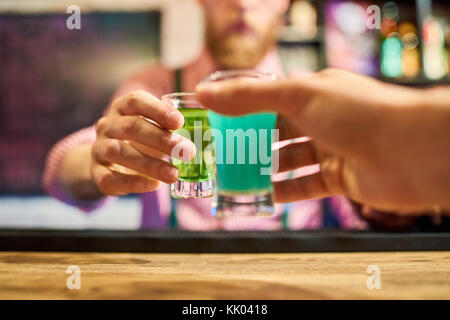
(245, 73)
(182, 100)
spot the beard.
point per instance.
(240, 51)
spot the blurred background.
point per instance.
(54, 81)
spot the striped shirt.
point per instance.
(195, 214)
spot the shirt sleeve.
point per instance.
(51, 178)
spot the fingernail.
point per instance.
(187, 150)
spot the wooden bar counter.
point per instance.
(404, 275)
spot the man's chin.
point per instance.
(237, 61)
(238, 54)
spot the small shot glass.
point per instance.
(196, 176)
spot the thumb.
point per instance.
(242, 96)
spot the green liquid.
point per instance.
(200, 168)
(243, 178)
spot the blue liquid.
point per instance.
(244, 177)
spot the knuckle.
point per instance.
(101, 125)
(134, 97)
(104, 181)
(132, 100)
(112, 149)
(130, 125)
(115, 104)
(96, 153)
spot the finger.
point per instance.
(137, 129)
(149, 151)
(114, 183)
(145, 104)
(241, 96)
(116, 151)
(303, 188)
(296, 155)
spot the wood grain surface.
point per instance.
(406, 275)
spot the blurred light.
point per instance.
(433, 34)
(391, 56)
(410, 55)
(411, 63)
(349, 44)
(303, 15)
(388, 26)
(447, 34)
(390, 11)
(410, 40)
(407, 27)
(351, 18)
(447, 41)
(435, 55)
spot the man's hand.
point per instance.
(132, 145)
(380, 144)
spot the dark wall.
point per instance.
(54, 81)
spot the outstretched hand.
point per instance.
(374, 142)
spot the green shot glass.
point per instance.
(197, 175)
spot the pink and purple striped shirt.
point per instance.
(195, 214)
